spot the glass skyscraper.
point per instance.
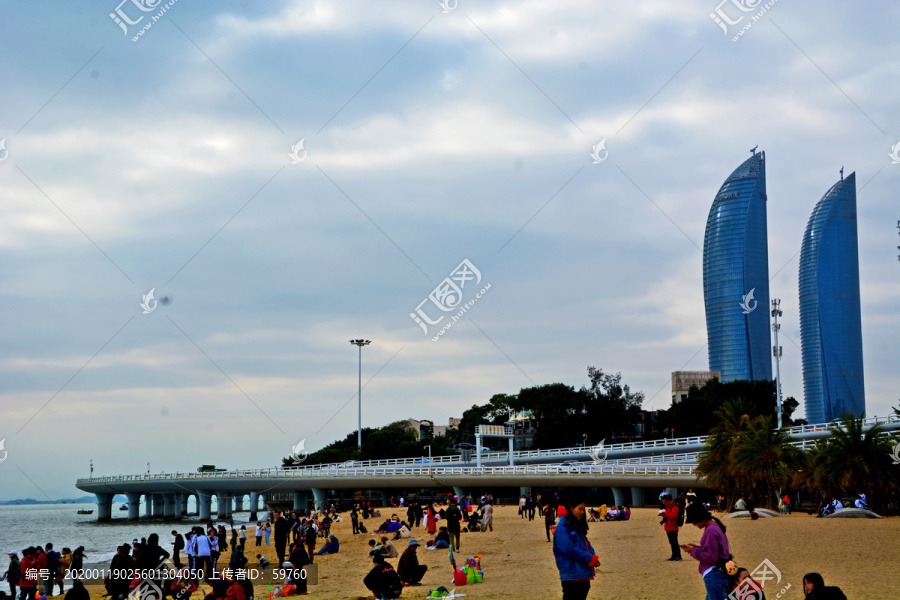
(736, 276)
(830, 326)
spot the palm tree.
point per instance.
(855, 459)
(716, 462)
(768, 457)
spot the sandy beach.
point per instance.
(855, 554)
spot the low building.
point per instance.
(425, 429)
(683, 380)
(524, 428)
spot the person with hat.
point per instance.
(408, 568)
(712, 553)
(383, 580)
(332, 545)
(12, 573)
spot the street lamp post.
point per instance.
(776, 352)
(360, 343)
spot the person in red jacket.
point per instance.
(670, 525)
(28, 578)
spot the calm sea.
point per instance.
(61, 525)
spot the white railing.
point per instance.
(431, 464)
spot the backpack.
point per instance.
(680, 520)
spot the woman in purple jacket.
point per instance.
(712, 553)
(575, 557)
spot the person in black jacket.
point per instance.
(281, 527)
(383, 580)
(815, 589)
(118, 581)
(179, 546)
(299, 559)
(78, 592)
(453, 517)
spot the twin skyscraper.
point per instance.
(736, 291)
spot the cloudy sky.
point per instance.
(170, 161)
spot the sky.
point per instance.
(288, 176)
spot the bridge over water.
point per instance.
(666, 463)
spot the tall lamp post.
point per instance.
(776, 352)
(360, 343)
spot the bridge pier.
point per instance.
(618, 496)
(319, 498)
(104, 507)
(239, 502)
(169, 505)
(159, 506)
(460, 492)
(134, 505)
(148, 505)
(301, 501)
(183, 503)
(254, 506)
(176, 506)
(204, 505)
(637, 497)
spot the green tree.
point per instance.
(767, 457)
(717, 462)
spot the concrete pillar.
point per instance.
(523, 491)
(478, 450)
(460, 492)
(511, 463)
(222, 502)
(169, 505)
(104, 507)
(176, 506)
(301, 501)
(385, 501)
(239, 503)
(319, 498)
(204, 505)
(184, 503)
(637, 497)
(618, 496)
(134, 505)
(672, 492)
(159, 505)
(148, 505)
(254, 506)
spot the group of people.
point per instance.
(836, 505)
(41, 569)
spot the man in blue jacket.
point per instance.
(575, 557)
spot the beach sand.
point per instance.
(858, 555)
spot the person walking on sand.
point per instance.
(281, 534)
(487, 517)
(670, 526)
(712, 553)
(431, 525)
(549, 518)
(575, 557)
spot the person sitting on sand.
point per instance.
(408, 568)
(383, 580)
(815, 589)
(745, 586)
(331, 546)
(443, 539)
(262, 562)
(741, 504)
(612, 513)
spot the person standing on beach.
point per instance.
(487, 517)
(670, 526)
(259, 533)
(78, 560)
(712, 552)
(119, 567)
(12, 573)
(453, 518)
(311, 533)
(281, 527)
(575, 557)
(52, 557)
(549, 518)
(268, 532)
(203, 551)
(354, 520)
(178, 546)
(28, 574)
(431, 524)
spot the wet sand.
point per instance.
(858, 555)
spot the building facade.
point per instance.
(736, 276)
(830, 323)
(683, 380)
